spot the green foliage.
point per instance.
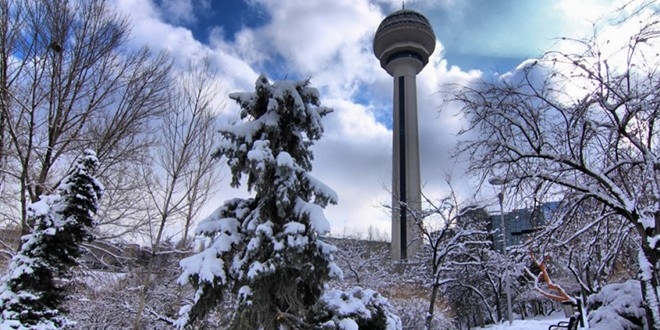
(266, 250)
(35, 286)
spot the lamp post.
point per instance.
(507, 285)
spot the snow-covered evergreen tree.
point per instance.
(266, 250)
(33, 289)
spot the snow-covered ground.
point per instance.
(537, 323)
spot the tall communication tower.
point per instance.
(403, 43)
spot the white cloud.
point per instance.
(178, 11)
(354, 158)
(313, 34)
(148, 28)
(585, 13)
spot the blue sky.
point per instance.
(329, 41)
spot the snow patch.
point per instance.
(617, 306)
(284, 160)
(317, 219)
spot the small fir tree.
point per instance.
(266, 250)
(32, 291)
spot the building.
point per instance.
(520, 224)
(403, 43)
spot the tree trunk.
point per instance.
(648, 277)
(498, 302)
(429, 315)
(150, 269)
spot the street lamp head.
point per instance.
(497, 181)
(500, 197)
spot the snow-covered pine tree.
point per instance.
(266, 250)
(32, 291)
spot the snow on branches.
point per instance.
(266, 250)
(33, 288)
(581, 121)
(355, 309)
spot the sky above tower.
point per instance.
(330, 42)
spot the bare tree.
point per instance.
(8, 34)
(583, 122)
(449, 241)
(183, 174)
(69, 83)
(365, 263)
(590, 242)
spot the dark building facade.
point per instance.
(520, 224)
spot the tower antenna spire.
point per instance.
(403, 5)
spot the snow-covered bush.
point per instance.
(617, 306)
(266, 250)
(108, 300)
(32, 292)
(364, 264)
(412, 309)
(353, 310)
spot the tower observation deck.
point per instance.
(403, 43)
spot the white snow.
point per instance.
(289, 87)
(224, 225)
(297, 241)
(244, 293)
(205, 264)
(265, 228)
(541, 323)
(653, 241)
(294, 228)
(284, 160)
(254, 244)
(260, 154)
(317, 218)
(620, 301)
(321, 188)
(40, 207)
(256, 268)
(348, 324)
(346, 304)
(648, 222)
(357, 303)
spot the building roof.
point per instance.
(404, 32)
(405, 18)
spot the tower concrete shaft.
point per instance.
(403, 43)
(406, 178)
